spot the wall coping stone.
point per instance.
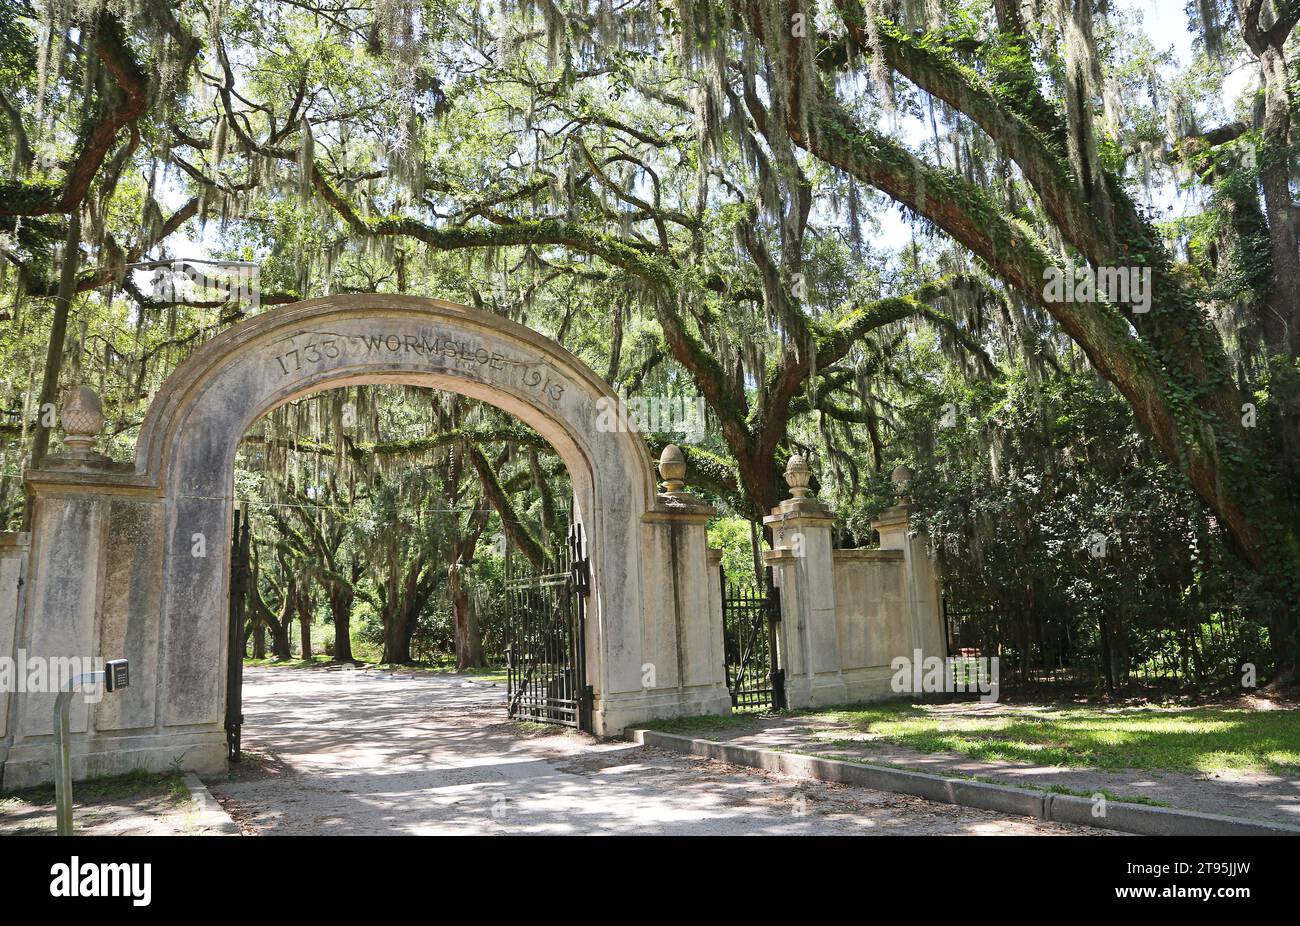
(679, 506)
(868, 555)
(894, 515)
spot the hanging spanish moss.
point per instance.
(1083, 82)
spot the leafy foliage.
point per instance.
(695, 198)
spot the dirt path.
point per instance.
(366, 753)
(139, 805)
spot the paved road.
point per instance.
(332, 751)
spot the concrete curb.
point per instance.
(211, 816)
(1044, 805)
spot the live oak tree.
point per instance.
(1169, 363)
(354, 514)
(685, 194)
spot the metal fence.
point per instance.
(749, 617)
(546, 654)
(1209, 653)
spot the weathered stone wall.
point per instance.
(871, 618)
(133, 559)
(847, 614)
(681, 658)
(13, 572)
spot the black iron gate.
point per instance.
(240, 573)
(750, 613)
(546, 653)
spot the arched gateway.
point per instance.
(133, 559)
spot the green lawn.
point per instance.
(288, 663)
(1205, 739)
(483, 673)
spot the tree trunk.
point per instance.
(469, 638)
(259, 641)
(1274, 175)
(280, 641)
(476, 657)
(1119, 654)
(758, 482)
(340, 601)
(1103, 639)
(67, 290)
(304, 625)
(398, 630)
(1282, 316)
(58, 335)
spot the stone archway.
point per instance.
(132, 559)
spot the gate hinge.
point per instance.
(580, 575)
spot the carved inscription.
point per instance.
(440, 352)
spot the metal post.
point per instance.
(114, 677)
(62, 758)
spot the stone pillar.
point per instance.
(921, 590)
(92, 591)
(683, 670)
(63, 587)
(13, 571)
(803, 569)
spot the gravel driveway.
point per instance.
(332, 751)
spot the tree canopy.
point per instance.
(836, 222)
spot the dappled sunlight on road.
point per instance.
(340, 752)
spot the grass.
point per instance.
(948, 773)
(289, 663)
(1108, 795)
(1193, 739)
(484, 673)
(134, 784)
(1199, 739)
(108, 801)
(533, 728)
(1051, 789)
(713, 723)
(703, 723)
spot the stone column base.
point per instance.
(873, 683)
(611, 716)
(822, 690)
(32, 762)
